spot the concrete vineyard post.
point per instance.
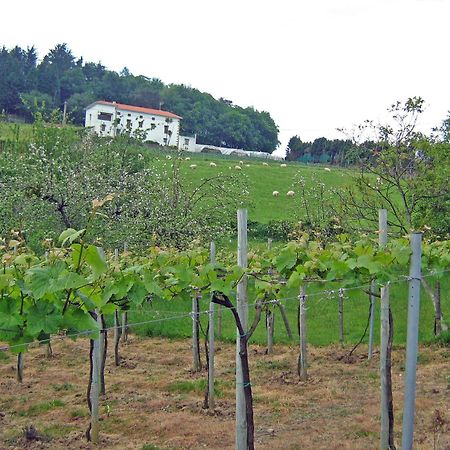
(95, 383)
(303, 358)
(386, 407)
(242, 310)
(196, 362)
(412, 341)
(372, 318)
(211, 400)
(341, 316)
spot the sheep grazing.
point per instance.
(275, 193)
(283, 165)
(238, 167)
(212, 164)
(265, 164)
(290, 193)
(247, 165)
(187, 158)
(193, 166)
(241, 162)
(327, 169)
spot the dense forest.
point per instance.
(28, 85)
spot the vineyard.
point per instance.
(76, 290)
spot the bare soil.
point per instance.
(154, 400)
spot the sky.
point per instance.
(314, 65)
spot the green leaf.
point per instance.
(286, 259)
(70, 235)
(43, 316)
(10, 313)
(76, 320)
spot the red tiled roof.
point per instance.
(139, 109)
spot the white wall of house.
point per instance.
(187, 143)
(111, 120)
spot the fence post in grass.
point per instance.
(372, 318)
(242, 310)
(303, 358)
(211, 402)
(196, 362)
(386, 403)
(269, 244)
(341, 316)
(412, 342)
(95, 383)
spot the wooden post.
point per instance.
(372, 318)
(95, 384)
(412, 342)
(303, 358)
(20, 367)
(242, 310)
(285, 319)
(117, 333)
(269, 244)
(341, 316)
(211, 399)
(270, 324)
(386, 403)
(196, 362)
(103, 348)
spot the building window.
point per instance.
(165, 140)
(141, 124)
(166, 129)
(129, 123)
(152, 126)
(102, 127)
(105, 116)
(153, 118)
(186, 141)
(168, 120)
(129, 114)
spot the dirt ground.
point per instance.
(154, 401)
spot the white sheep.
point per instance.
(290, 193)
(283, 165)
(265, 164)
(238, 167)
(187, 158)
(275, 193)
(168, 157)
(193, 166)
(247, 165)
(241, 162)
(212, 164)
(327, 169)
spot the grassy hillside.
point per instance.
(262, 180)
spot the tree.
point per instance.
(402, 171)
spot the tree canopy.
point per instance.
(27, 84)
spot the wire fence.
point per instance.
(321, 296)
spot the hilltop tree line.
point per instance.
(28, 85)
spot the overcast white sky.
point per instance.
(315, 65)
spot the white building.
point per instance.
(112, 119)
